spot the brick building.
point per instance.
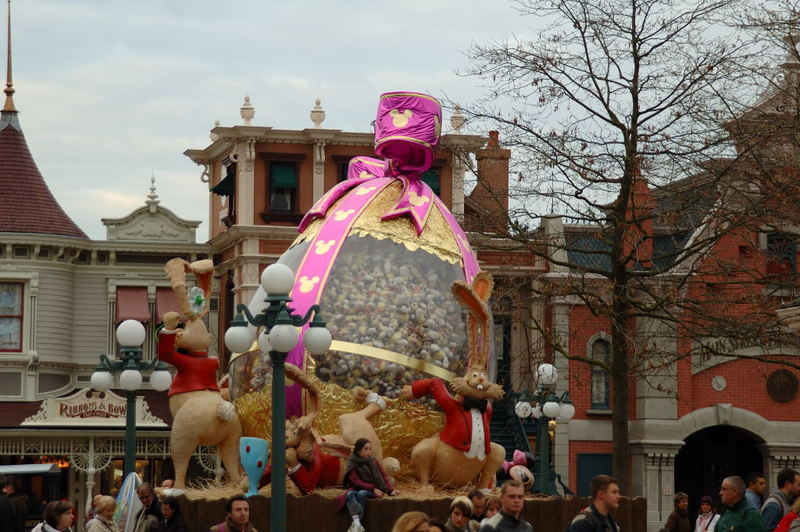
(704, 416)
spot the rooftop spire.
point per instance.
(9, 90)
(152, 198)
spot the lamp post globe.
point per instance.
(566, 411)
(239, 339)
(263, 342)
(102, 380)
(130, 333)
(317, 340)
(130, 379)
(160, 380)
(523, 409)
(551, 409)
(277, 279)
(536, 412)
(283, 337)
(547, 374)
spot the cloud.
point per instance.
(110, 90)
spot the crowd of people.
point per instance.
(748, 506)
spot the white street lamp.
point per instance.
(523, 409)
(160, 380)
(317, 339)
(283, 337)
(239, 339)
(278, 338)
(263, 342)
(277, 279)
(102, 379)
(130, 333)
(551, 409)
(547, 374)
(567, 410)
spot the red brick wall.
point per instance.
(582, 327)
(746, 389)
(581, 446)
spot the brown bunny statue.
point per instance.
(201, 416)
(463, 452)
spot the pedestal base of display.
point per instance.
(318, 513)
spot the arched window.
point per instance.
(601, 351)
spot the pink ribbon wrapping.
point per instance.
(406, 134)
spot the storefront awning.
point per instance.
(29, 469)
(224, 187)
(166, 301)
(132, 304)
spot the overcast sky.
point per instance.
(112, 90)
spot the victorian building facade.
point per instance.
(61, 297)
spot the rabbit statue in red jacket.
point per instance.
(463, 453)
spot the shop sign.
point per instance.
(92, 408)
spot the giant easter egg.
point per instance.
(378, 254)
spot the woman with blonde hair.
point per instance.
(411, 522)
(104, 516)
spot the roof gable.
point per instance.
(151, 223)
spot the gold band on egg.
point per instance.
(391, 356)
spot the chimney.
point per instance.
(491, 191)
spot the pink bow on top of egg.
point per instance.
(407, 130)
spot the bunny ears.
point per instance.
(203, 271)
(475, 298)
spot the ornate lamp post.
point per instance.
(548, 406)
(278, 337)
(130, 335)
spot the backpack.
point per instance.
(587, 513)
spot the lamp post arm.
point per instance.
(145, 365)
(109, 364)
(297, 321)
(259, 320)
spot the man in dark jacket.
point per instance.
(678, 520)
(779, 502)
(597, 517)
(739, 515)
(18, 503)
(7, 518)
(509, 518)
(149, 516)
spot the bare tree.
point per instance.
(635, 121)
